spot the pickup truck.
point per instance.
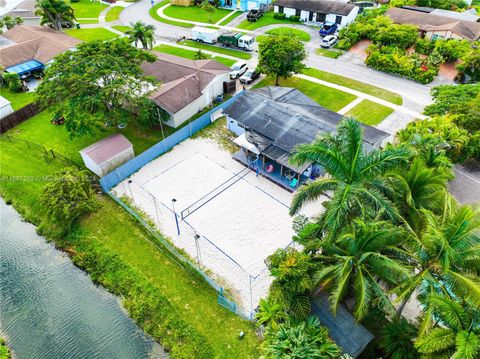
(254, 14)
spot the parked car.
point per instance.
(249, 76)
(238, 69)
(328, 41)
(329, 28)
(254, 14)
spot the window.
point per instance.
(338, 20)
(321, 17)
(436, 37)
(280, 9)
(298, 12)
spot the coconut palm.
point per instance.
(55, 13)
(446, 255)
(356, 175)
(143, 33)
(199, 55)
(457, 334)
(397, 339)
(417, 188)
(307, 339)
(363, 255)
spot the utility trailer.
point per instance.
(206, 35)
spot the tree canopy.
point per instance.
(55, 13)
(281, 56)
(143, 33)
(94, 84)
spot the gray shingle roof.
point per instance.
(326, 7)
(465, 187)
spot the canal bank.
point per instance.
(51, 309)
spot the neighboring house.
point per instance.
(245, 5)
(271, 121)
(434, 27)
(318, 11)
(5, 107)
(188, 86)
(30, 48)
(467, 15)
(107, 154)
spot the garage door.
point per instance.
(252, 5)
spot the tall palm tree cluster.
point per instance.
(142, 33)
(389, 235)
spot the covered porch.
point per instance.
(272, 165)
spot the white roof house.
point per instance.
(107, 154)
(5, 107)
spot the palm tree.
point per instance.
(143, 33)
(269, 313)
(363, 255)
(420, 187)
(446, 255)
(397, 339)
(209, 9)
(10, 21)
(356, 176)
(199, 55)
(457, 334)
(55, 13)
(307, 339)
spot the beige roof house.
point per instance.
(431, 25)
(37, 43)
(185, 83)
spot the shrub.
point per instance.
(74, 0)
(469, 69)
(13, 81)
(402, 36)
(279, 16)
(452, 50)
(424, 46)
(294, 18)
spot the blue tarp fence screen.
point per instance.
(127, 169)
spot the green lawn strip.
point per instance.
(220, 50)
(92, 34)
(326, 96)
(172, 303)
(290, 31)
(231, 18)
(87, 21)
(121, 28)
(114, 13)
(153, 14)
(370, 113)
(266, 19)
(190, 54)
(38, 129)
(355, 85)
(328, 53)
(87, 8)
(17, 99)
(195, 13)
(4, 350)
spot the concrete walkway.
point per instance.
(351, 105)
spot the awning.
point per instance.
(25, 67)
(242, 142)
(281, 157)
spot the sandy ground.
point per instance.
(238, 228)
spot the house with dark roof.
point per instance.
(432, 26)
(318, 11)
(271, 121)
(30, 48)
(187, 86)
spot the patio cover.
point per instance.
(242, 142)
(342, 327)
(25, 67)
(281, 157)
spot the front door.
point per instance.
(310, 16)
(321, 17)
(338, 20)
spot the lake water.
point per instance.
(51, 309)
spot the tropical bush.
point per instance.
(294, 18)
(469, 69)
(12, 81)
(279, 16)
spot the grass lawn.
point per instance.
(355, 85)
(220, 50)
(114, 13)
(328, 53)
(370, 113)
(87, 21)
(195, 13)
(266, 19)
(190, 54)
(91, 34)
(326, 96)
(121, 28)
(153, 13)
(230, 18)
(17, 99)
(193, 300)
(38, 129)
(290, 31)
(87, 8)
